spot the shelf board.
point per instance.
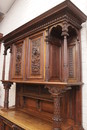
(44, 82)
(26, 121)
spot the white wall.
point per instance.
(22, 12)
(84, 73)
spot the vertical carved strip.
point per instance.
(57, 114)
(71, 63)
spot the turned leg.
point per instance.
(7, 86)
(6, 98)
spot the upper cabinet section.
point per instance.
(47, 48)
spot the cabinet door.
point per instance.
(17, 60)
(74, 61)
(35, 58)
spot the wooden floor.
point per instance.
(26, 121)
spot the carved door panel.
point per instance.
(17, 60)
(35, 58)
(73, 62)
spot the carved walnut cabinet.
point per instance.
(45, 64)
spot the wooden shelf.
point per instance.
(26, 121)
(44, 82)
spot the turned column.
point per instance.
(47, 57)
(56, 92)
(65, 56)
(3, 74)
(1, 35)
(7, 86)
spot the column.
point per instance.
(3, 74)
(56, 91)
(47, 57)
(1, 35)
(65, 54)
(7, 86)
(57, 116)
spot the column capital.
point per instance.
(65, 29)
(47, 36)
(57, 90)
(7, 84)
(5, 50)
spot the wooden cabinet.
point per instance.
(46, 67)
(7, 125)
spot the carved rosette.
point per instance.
(35, 62)
(56, 91)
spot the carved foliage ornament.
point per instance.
(35, 62)
(18, 60)
(56, 90)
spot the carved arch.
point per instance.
(54, 36)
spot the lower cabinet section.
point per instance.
(16, 120)
(7, 125)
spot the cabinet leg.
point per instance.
(57, 115)
(7, 86)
